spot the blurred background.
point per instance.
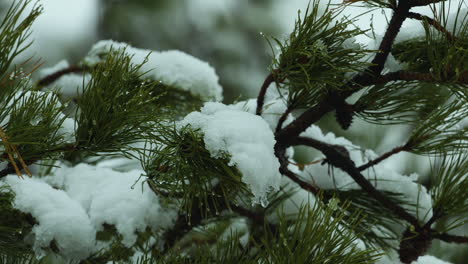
(228, 34)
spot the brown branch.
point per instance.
(307, 118)
(280, 153)
(261, 95)
(55, 76)
(433, 23)
(303, 184)
(399, 16)
(451, 238)
(337, 158)
(283, 118)
(415, 3)
(436, 215)
(383, 157)
(10, 169)
(258, 219)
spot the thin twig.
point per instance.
(303, 184)
(283, 118)
(11, 148)
(261, 95)
(307, 118)
(436, 215)
(399, 16)
(451, 238)
(56, 75)
(415, 3)
(433, 23)
(383, 157)
(338, 159)
(280, 153)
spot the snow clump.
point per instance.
(174, 68)
(246, 138)
(61, 219)
(72, 205)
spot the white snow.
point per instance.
(108, 197)
(74, 203)
(67, 130)
(272, 110)
(60, 218)
(247, 139)
(429, 260)
(174, 68)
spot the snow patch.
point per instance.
(72, 205)
(174, 68)
(115, 198)
(60, 218)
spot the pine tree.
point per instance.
(128, 156)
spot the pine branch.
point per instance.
(261, 96)
(306, 119)
(304, 185)
(281, 155)
(417, 238)
(15, 31)
(399, 15)
(283, 117)
(106, 125)
(415, 3)
(383, 157)
(56, 75)
(452, 238)
(433, 23)
(337, 158)
(329, 103)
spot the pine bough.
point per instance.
(129, 156)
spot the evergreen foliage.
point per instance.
(320, 44)
(357, 219)
(116, 108)
(179, 165)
